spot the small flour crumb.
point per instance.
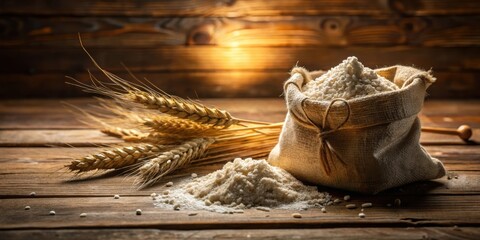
(350, 79)
(246, 183)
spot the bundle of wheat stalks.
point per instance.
(164, 133)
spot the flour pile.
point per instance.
(242, 184)
(350, 79)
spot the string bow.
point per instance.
(327, 153)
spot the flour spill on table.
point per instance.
(244, 184)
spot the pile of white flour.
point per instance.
(242, 184)
(350, 79)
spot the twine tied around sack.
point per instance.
(327, 153)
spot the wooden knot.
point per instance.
(334, 30)
(412, 25)
(332, 26)
(201, 35)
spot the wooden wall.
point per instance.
(233, 48)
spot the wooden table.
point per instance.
(35, 136)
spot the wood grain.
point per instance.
(216, 84)
(429, 209)
(323, 233)
(40, 170)
(209, 58)
(87, 138)
(239, 7)
(336, 233)
(106, 212)
(231, 8)
(53, 115)
(117, 32)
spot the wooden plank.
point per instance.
(217, 84)
(29, 115)
(59, 32)
(196, 8)
(49, 114)
(455, 84)
(93, 137)
(39, 170)
(324, 233)
(210, 58)
(193, 84)
(436, 7)
(27, 160)
(39, 138)
(238, 7)
(106, 212)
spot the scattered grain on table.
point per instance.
(265, 209)
(367, 205)
(296, 215)
(351, 206)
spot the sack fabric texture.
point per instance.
(365, 144)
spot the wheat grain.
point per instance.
(175, 158)
(171, 125)
(122, 132)
(114, 158)
(182, 108)
(157, 138)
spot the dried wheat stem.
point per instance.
(182, 108)
(269, 126)
(177, 157)
(114, 158)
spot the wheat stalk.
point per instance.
(169, 161)
(171, 125)
(146, 114)
(114, 158)
(182, 108)
(122, 132)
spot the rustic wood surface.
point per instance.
(233, 48)
(33, 135)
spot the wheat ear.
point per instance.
(122, 132)
(183, 108)
(177, 157)
(114, 158)
(172, 125)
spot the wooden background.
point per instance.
(233, 48)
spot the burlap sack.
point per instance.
(366, 144)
